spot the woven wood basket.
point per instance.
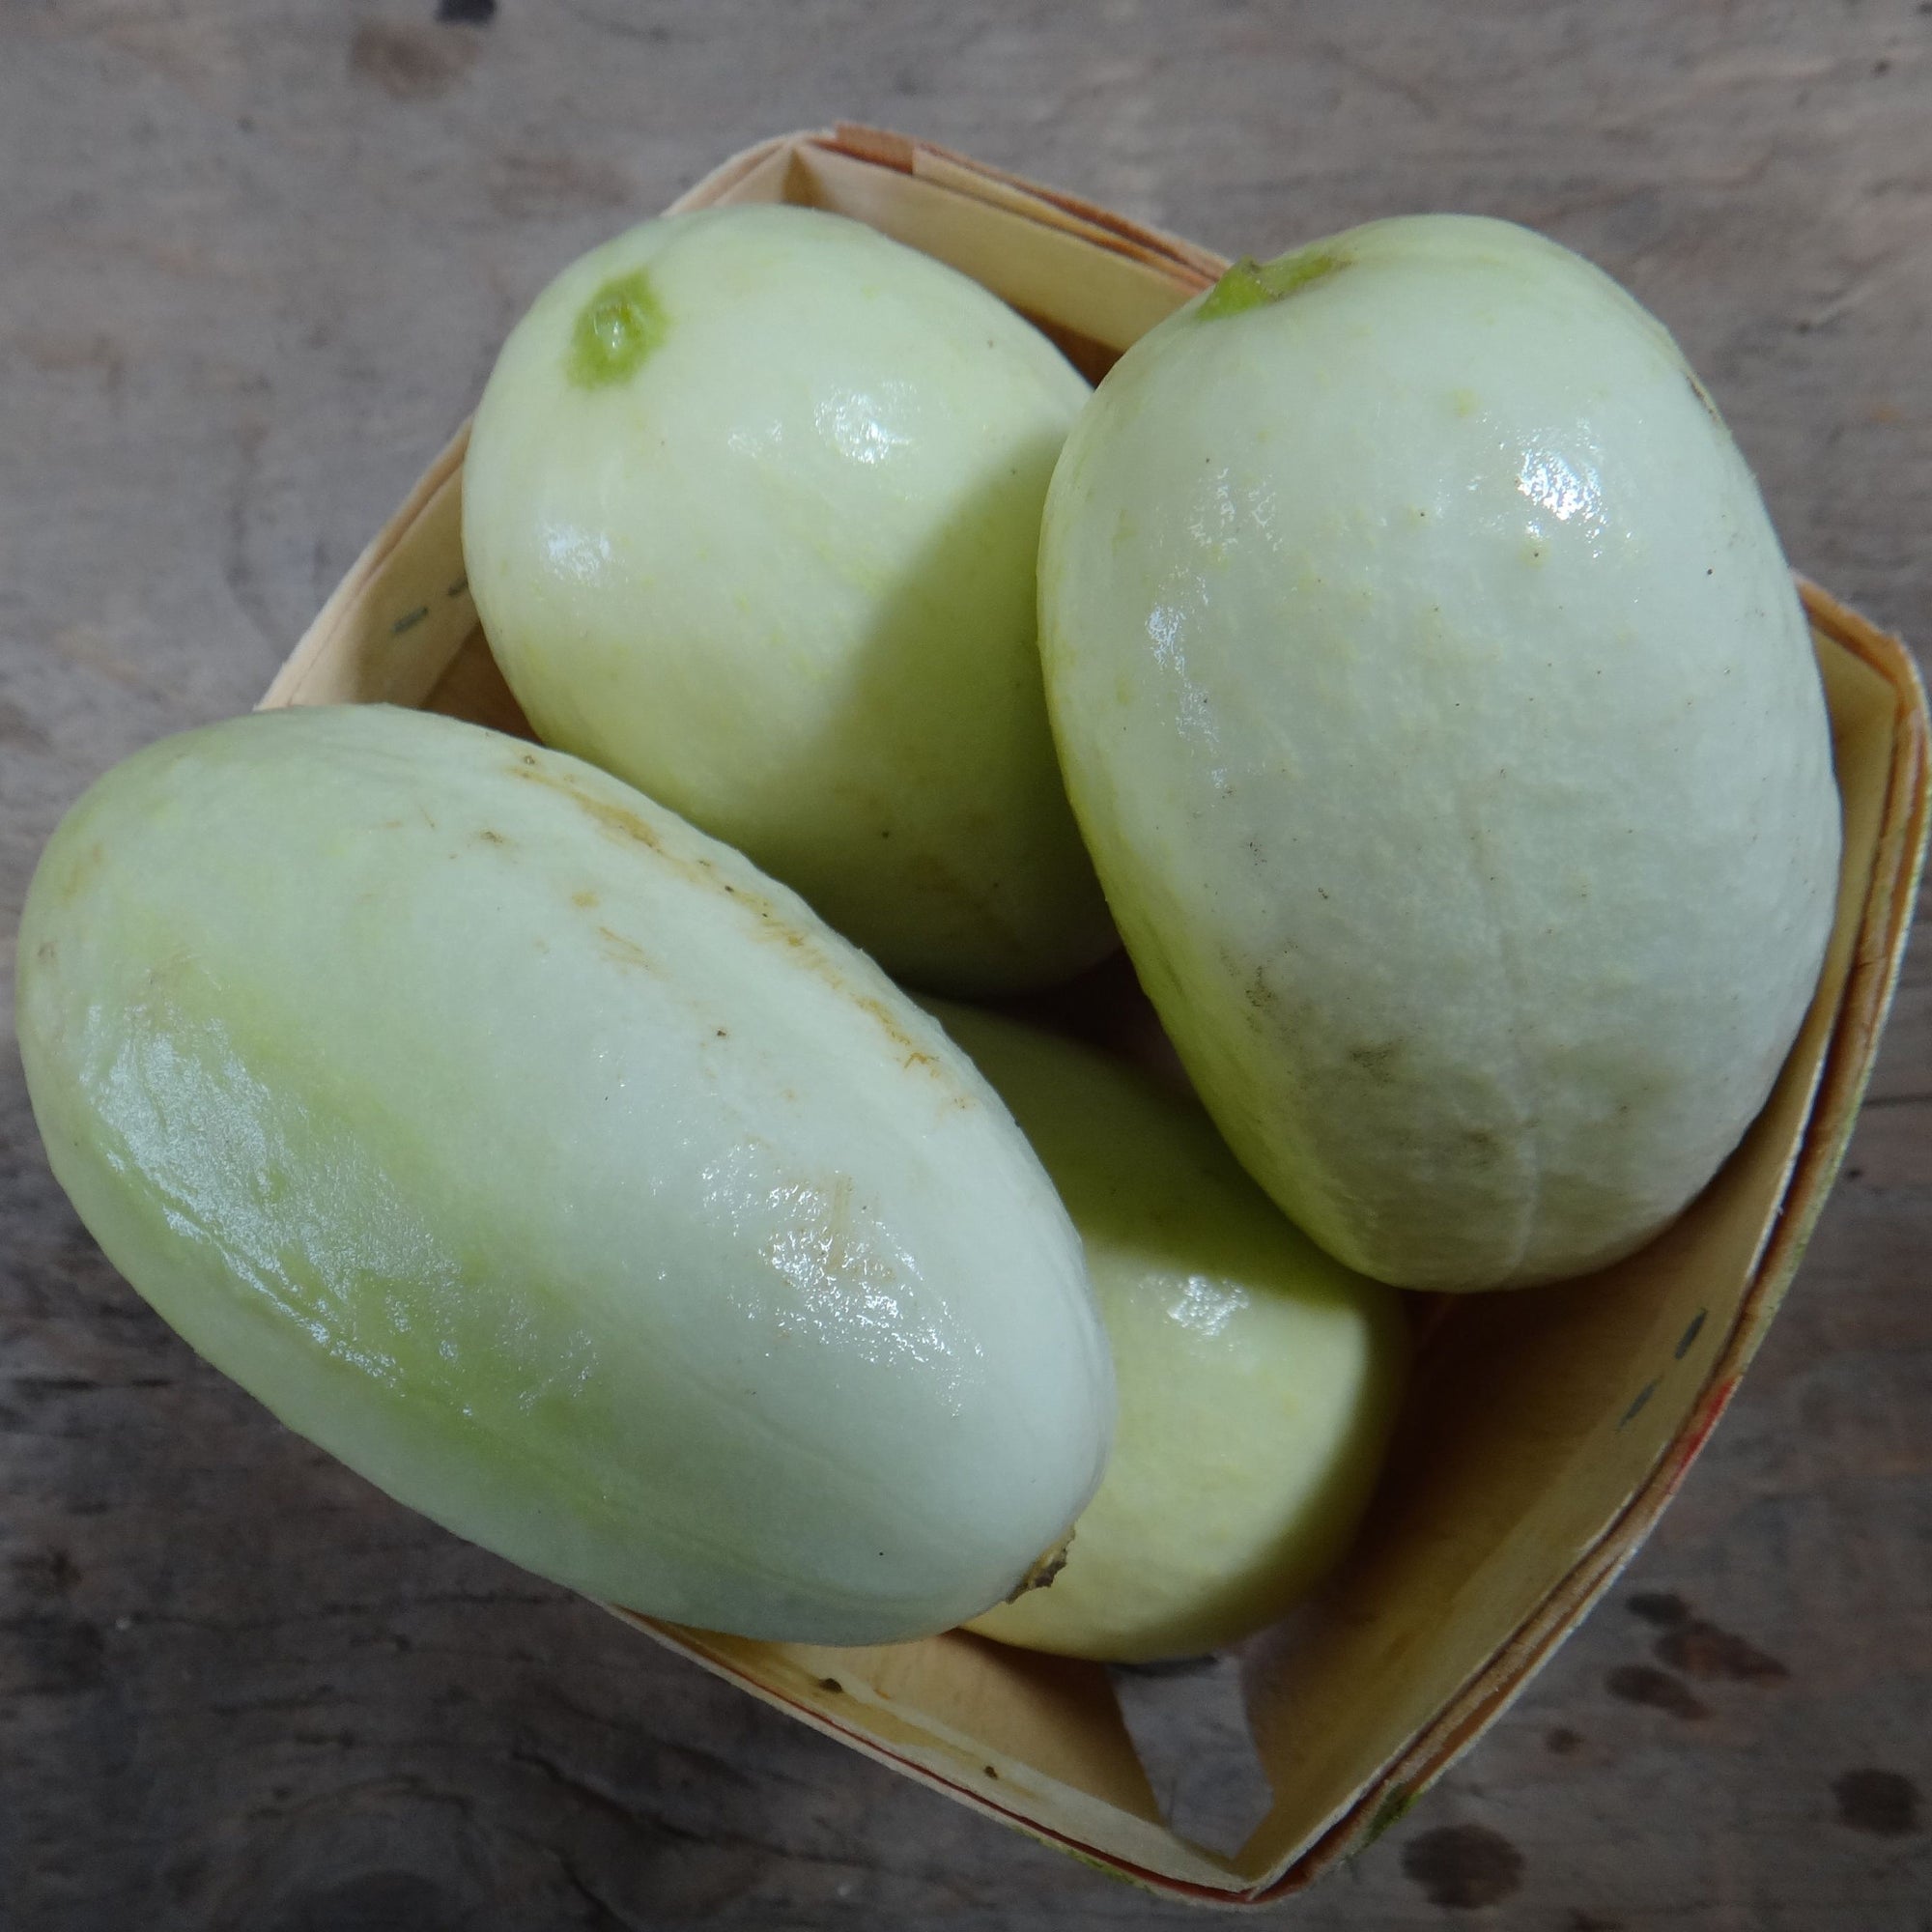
(1546, 1430)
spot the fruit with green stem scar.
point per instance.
(751, 517)
(1443, 723)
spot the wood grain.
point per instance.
(258, 262)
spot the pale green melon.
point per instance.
(1435, 701)
(751, 517)
(562, 1173)
(1258, 1379)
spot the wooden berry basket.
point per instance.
(1546, 1430)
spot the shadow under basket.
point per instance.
(1546, 1430)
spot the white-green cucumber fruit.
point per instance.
(537, 1156)
(1259, 1379)
(1444, 726)
(751, 516)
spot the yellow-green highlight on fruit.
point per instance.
(562, 1173)
(1449, 741)
(1258, 1379)
(751, 514)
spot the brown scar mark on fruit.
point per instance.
(616, 819)
(1657, 1690)
(82, 873)
(1046, 1568)
(1703, 395)
(627, 952)
(628, 827)
(587, 900)
(490, 837)
(896, 1033)
(45, 951)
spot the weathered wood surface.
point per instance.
(256, 263)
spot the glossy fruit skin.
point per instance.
(751, 516)
(569, 1180)
(1441, 717)
(1259, 1379)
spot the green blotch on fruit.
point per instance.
(616, 329)
(1251, 284)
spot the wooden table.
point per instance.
(254, 264)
